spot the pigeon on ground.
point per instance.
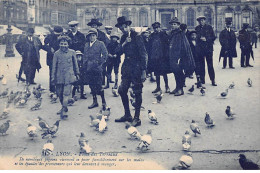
(54, 98)
(22, 102)
(115, 92)
(186, 141)
(31, 131)
(37, 105)
(47, 148)
(82, 139)
(195, 128)
(249, 82)
(102, 126)
(231, 86)
(1, 77)
(52, 130)
(223, 94)
(71, 101)
(40, 88)
(18, 98)
(4, 93)
(209, 122)
(145, 141)
(83, 143)
(106, 111)
(4, 127)
(159, 97)
(94, 122)
(5, 114)
(38, 94)
(133, 103)
(229, 112)
(132, 131)
(202, 91)
(152, 117)
(43, 124)
(185, 162)
(27, 92)
(75, 97)
(191, 89)
(247, 164)
(51, 94)
(12, 96)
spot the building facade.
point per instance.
(145, 12)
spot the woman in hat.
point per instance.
(65, 72)
(95, 55)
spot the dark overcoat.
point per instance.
(51, 41)
(228, 43)
(244, 38)
(78, 41)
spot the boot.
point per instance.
(156, 90)
(95, 103)
(124, 119)
(214, 83)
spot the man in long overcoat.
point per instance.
(205, 40)
(28, 47)
(228, 40)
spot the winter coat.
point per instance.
(244, 38)
(228, 43)
(51, 41)
(78, 41)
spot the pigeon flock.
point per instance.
(99, 122)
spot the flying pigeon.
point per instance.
(209, 122)
(37, 105)
(223, 94)
(4, 93)
(186, 141)
(102, 126)
(43, 124)
(31, 131)
(94, 122)
(47, 148)
(4, 127)
(145, 141)
(152, 117)
(191, 89)
(185, 162)
(194, 127)
(231, 86)
(115, 92)
(249, 82)
(132, 131)
(52, 130)
(71, 101)
(229, 112)
(247, 164)
(202, 91)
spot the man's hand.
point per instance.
(143, 77)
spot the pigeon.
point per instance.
(4, 93)
(145, 141)
(159, 97)
(18, 98)
(4, 127)
(31, 131)
(223, 94)
(34, 91)
(152, 117)
(231, 86)
(106, 111)
(1, 77)
(94, 122)
(186, 141)
(75, 97)
(133, 103)
(185, 162)
(247, 164)
(4, 81)
(102, 126)
(51, 94)
(40, 88)
(191, 89)
(38, 94)
(43, 124)
(209, 122)
(194, 127)
(132, 131)
(47, 148)
(229, 112)
(71, 101)
(202, 91)
(85, 148)
(22, 102)
(249, 82)
(37, 105)
(5, 114)
(52, 130)
(12, 96)
(27, 92)
(54, 98)
(115, 92)
(82, 139)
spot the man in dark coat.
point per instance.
(95, 55)
(205, 40)
(228, 40)
(51, 44)
(78, 41)
(133, 69)
(179, 49)
(29, 47)
(158, 54)
(245, 45)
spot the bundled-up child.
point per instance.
(114, 58)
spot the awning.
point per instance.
(14, 31)
(39, 30)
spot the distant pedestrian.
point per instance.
(254, 38)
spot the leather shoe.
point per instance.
(179, 92)
(93, 105)
(167, 90)
(156, 90)
(249, 65)
(214, 83)
(124, 119)
(136, 122)
(83, 97)
(232, 67)
(174, 91)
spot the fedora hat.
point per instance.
(122, 20)
(156, 25)
(30, 30)
(92, 31)
(174, 20)
(58, 29)
(201, 17)
(94, 21)
(115, 35)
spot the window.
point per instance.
(190, 17)
(208, 15)
(143, 18)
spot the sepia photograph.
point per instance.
(129, 85)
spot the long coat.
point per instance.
(77, 41)
(93, 59)
(64, 67)
(245, 40)
(179, 48)
(51, 41)
(228, 43)
(25, 49)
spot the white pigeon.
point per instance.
(85, 147)
(31, 131)
(186, 141)
(102, 126)
(47, 148)
(186, 161)
(132, 131)
(145, 141)
(152, 117)
(94, 122)
(194, 127)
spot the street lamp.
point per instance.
(9, 50)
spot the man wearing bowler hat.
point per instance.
(228, 40)
(133, 69)
(51, 44)
(205, 40)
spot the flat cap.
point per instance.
(108, 27)
(201, 17)
(72, 23)
(92, 31)
(58, 29)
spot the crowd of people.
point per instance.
(76, 60)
